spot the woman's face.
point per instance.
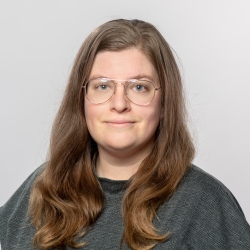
(119, 126)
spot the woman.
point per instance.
(119, 173)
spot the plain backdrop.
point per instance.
(38, 43)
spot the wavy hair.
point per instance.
(67, 198)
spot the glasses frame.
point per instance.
(122, 82)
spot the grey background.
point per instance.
(39, 40)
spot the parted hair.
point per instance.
(67, 198)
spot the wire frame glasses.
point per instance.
(101, 90)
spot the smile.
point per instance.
(120, 123)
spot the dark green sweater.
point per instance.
(202, 214)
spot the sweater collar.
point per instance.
(112, 186)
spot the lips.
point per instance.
(123, 121)
(120, 123)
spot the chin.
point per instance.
(121, 146)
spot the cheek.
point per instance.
(86, 112)
(156, 111)
(90, 114)
(154, 118)
(93, 118)
(151, 120)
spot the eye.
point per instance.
(140, 87)
(102, 87)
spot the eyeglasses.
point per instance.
(101, 90)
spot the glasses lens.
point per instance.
(140, 92)
(99, 90)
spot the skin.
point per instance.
(124, 132)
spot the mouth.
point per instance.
(120, 123)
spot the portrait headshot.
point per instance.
(125, 125)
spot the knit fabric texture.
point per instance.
(201, 214)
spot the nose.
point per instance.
(119, 101)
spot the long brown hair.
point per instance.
(67, 198)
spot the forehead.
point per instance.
(123, 64)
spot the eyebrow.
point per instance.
(140, 76)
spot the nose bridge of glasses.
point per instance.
(120, 82)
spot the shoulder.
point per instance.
(202, 184)
(23, 189)
(209, 194)
(207, 214)
(15, 209)
(200, 190)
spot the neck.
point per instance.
(117, 167)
